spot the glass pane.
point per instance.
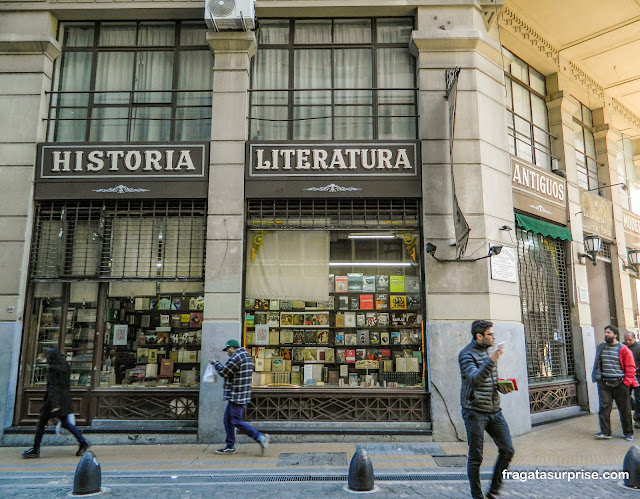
(353, 96)
(195, 72)
(394, 30)
(312, 31)
(590, 146)
(520, 70)
(539, 112)
(156, 34)
(193, 34)
(193, 124)
(79, 337)
(521, 103)
(273, 32)
(270, 123)
(151, 123)
(46, 322)
(353, 122)
(75, 76)
(269, 98)
(117, 34)
(352, 68)
(79, 36)
(271, 69)
(312, 123)
(579, 139)
(85, 249)
(114, 73)
(396, 122)
(352, 31)
(537, 81)
(312, 70)
(109, 123)
(509, 96)
(154, 71)
(70, 125)
(395, 70)
(587, 118)
(543, 149)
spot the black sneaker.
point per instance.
(83, 448)
(30, 454)
(226, 450)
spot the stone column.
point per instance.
(458, 293)
(223, 307)
(561, 111)
(606, 139)
(27, 53)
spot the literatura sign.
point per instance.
(367, 159)
(117, 170)
(103, 160)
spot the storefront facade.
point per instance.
(171, 187)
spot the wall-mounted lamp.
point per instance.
(431, 248)
(592, 246)
(623, 184)
(633, 257)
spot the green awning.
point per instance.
(544, 228)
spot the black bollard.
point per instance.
(360, 472)
(88, 475)
(631, 465)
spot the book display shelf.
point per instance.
(367, 334)
(152, 341)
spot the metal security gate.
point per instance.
(547, 321)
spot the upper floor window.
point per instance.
(527, 124)
(585, 146)
(138, 81)
(628, 173)
(326, 79)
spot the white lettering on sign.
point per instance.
(548, 186)
(339, 159)
(116, 161)
(631, 223)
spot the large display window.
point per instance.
(335, 308)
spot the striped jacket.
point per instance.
(479, 374)
(237, 377)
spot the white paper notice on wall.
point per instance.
(583, 295)
(504, 265)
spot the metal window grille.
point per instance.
(334, 213)
(119, 239)
(605, 252)
(545, 307)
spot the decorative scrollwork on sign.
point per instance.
(333, 188)
(410, 245)
(121, 189)
(256, 243)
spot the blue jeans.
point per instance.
(495, 425)
(234, 418)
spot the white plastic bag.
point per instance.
(71, 418)
(209, 374)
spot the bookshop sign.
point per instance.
(340, 168)
(117, 170)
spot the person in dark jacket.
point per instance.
(615, 372)
(481, 406)
(57, 403)
(237, 373)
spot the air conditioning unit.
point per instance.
(223, 15)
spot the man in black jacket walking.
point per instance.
(481, 406)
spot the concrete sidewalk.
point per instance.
(411, 469)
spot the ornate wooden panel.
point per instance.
(335, 405)
(156, 404)
(32, 400)
(552, 396)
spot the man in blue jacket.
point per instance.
(237, 374)
(481, 406)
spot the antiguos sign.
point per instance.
(539, 192)
(338, 160)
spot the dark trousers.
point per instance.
(495, 425)
(234, 418)
(635, 401)
(45, 416)
(621, 394)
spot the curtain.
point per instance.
(396, 71)
(183, 247)
(312, 108)
(352, 70)
(271, 72)
(288, 265)
(134, 248)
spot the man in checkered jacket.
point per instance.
(237, 390)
